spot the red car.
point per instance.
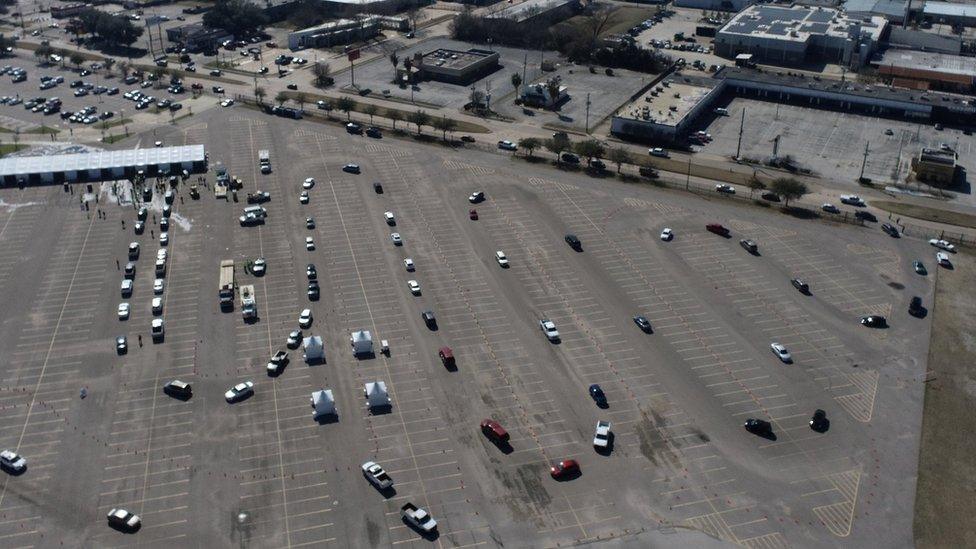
(717, 229)
(494, 431)
(447, 356)
(473, 214)
(565, 468)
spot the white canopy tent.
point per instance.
(362, 343)
(376, 395)
(314, 349)
(323, 404)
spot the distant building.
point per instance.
(894, 11)
(715, 5)
(798, 35)
(935, 166)
(71, 10)
(343, 31)
(538, 95)
(538, 12)
(196, 37)
(949, 13)
(450, 66)
(924, 70)
(908, 39)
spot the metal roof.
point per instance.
(949, 9)
(104, 160)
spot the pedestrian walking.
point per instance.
(117, 266)
(140, 340)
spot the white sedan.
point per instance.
(780, 351)
(507, 146)
(239, 391)
(408, 265)
(943, 245)
(390, 219)
(305, 319)
(123, 311)
(601, 438)
(395, 237)
(226, 102)
(548, 327)
(376, 475)
(942, 258)
(308, 183)
(414, 287)
(309, 243)
(667, 234)
(303, 198)
(164, 239)
(11, 461)
(158, 286)
(120, 518)
(501, 258)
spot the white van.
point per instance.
(721, 111)
(255, 211)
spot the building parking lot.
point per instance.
(262, 472)
(832, 143)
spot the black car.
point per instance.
(476, 197)
(758, 427)
(915, 307)
(874, 321)
(310, 271)
(373, 131)
(770, 196)
(378, 187)
(865, 216)
(178, 389)
(819, 421)
(142, 213)
(574, 242)
(164, 224)
(429, 319)
(642, 323)
(800, 285)
(313, 290)
(598, 396)
(891, 230)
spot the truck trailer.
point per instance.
(225, 292)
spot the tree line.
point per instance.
(113, 30)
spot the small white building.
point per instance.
(538, 95)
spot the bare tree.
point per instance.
(370, 109)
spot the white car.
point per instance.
(126, 287)
(852, 199)
(601, 438)
(501, 258)
(259, 267)
(414, 287)
(309, 243)
(658, 152)
(123, 311)
(161, 254)
(942, 258)
(163, 238)
(303, 198)
(239, 391)
(159, 143)
(158, 286)
(408, 265)
(780, 351)
(723, 188)
(10, 461)
(943, 245)
(305, 319)
(376, 475)
(157, 306)
(395, 237)
(308, 183)
(226, 102)
(390, 220)
(548, 327)
(507, 146)
(120, 518)
(667, 234)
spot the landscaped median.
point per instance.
(927, 213)
(391, 114)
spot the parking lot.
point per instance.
(262, 472)
(832, 143)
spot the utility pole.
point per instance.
(742, 123)
(587, 112)
(688, 179)
(524, 63)
(864, 162)
(776, 146)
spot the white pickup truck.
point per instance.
(418, 518)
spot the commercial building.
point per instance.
(949, 13)
(196, 37)
(343, 31)
(538, 12)
(935, 166)
(539, 95)
(71, 10)
(924, 70)
(895, 11)
(908, 39)
(665, 112)
(799, 35)
(668, 115)
(103, 165)
(450, 66)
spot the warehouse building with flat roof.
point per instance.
(927, 70)
(538, 12)
(950, 13)
(450, 66)
(798, 35)
(103, 165)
